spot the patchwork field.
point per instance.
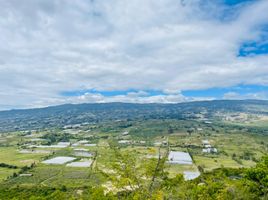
(235, 149)
(55, 175)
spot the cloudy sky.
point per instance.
(61, 51)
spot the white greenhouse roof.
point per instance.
(59, 160)
(80, 164)
(176, 157)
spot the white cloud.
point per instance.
(139, 97)
(52, 46)
(236, 96)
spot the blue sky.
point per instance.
(139, 51)
(256, 47)
(109, 93)
(219, 93)
(241, 91)
(235, 2)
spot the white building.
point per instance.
(157, 143)
(206, 150)
(124, 142)
(125, 133)
(210, 150)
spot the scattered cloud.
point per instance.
(236, 96)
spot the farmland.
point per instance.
(91, 155)
(235, 150)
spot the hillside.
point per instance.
(58, 116)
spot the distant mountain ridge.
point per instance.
(58, 116)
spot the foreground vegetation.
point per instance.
(222, 183)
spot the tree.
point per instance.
(259, 175)
(135, 180)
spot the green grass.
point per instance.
(5, 173)
(213, 163)
(257, 123)
(174, 169)
(10, 155)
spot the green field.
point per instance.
(237, 148)
(5, 173)
(11, 155)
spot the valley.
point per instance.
(86, 155)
